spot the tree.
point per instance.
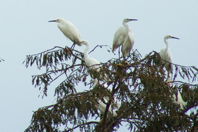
(139, 84)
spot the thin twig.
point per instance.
(87, 123)
(48, 50)
(97, 47)
(184, 83)
(59, 70)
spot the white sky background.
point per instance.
(24, 29)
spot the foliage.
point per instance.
(139, 84)
(1, 60)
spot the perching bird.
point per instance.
(69, 30)
(165, 53)
(91, 62)
(123, 36)
(127, 45)
(177, 98)
(102, 104)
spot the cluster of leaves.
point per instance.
(57, 62)
(138, 83)
(1, 60)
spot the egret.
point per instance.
(91, 62)
(177, 98)
(165, 53)
(124, 36)
(69, 30)
(102, 104)
(127, 45)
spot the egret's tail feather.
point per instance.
(83, 42)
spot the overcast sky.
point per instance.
(24, 29)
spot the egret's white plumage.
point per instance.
(123, 36)
(179, 100)
(90, 61)
(102, 104)
(128, 44)
(165, 53)
(69, 30)
(93, 64)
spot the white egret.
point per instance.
(177, 98)
(165, 53)
(91, 62)
(102, 104)
(127, 45)
(69, 30)
(123, 36)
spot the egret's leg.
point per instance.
(119, 51)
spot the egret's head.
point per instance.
(59, 20)
(128, 20)
(170, 37)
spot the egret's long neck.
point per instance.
(166, 42)
(86, 50)
(125, 25)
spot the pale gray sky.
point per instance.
(24, 29)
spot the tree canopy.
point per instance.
(136, 88)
